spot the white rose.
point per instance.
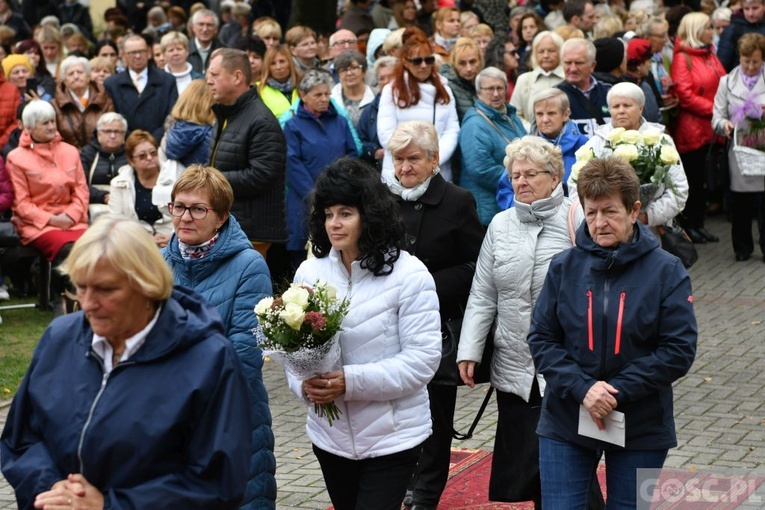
(584, 153)
(651, 136)
(626, 153)
(296, 295)
(615, 135)
(331, 292)
(264, 305)
(292, 315)
(631, 137)
(669, 155)
(576, 168)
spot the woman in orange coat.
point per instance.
(50, 203)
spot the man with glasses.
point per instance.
(586, 95)
(204, 42)
(144, 95)
(339, 42)
(753, 20)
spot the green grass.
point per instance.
(19, 333)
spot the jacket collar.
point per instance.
(641, 242)
(540, 209)
(435, 192)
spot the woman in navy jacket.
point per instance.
(134, 402)
(613, 328)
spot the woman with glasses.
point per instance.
(102, 158)
(352, 92)
(546, 71)
(418, 92)
(210, 253)
(302, 44)
(130, 192)
(279, 80)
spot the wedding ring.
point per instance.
(329, 383)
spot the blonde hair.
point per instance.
(266, 27)
(482, 30)
(691, 27)
(195, 104)
(462, 45)
(98, 63)
(607, 26)
(418, 132)
(127, 248)
(172, 38)
(537, 151)
(296, 34)
(567, 32)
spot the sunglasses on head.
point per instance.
(419, 60)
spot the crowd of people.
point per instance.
(179, 161)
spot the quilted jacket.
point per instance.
(10, 99)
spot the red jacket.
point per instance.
(10, 100)
(696, 73)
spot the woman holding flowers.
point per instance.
(390, 341)
(210, 254)
(623, 137)
(740, 99)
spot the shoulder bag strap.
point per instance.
(571, 226)
(493, 125)
(462, 437)
(93, 167)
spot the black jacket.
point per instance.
(249, 147)
(727, 50)
(195, 58)
(106, 167)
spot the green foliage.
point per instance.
(19, 333)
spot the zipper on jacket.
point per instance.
(604, 343)
(590, 339)
(85, 427)
(617, 348)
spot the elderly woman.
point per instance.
(612, 329)
(210, 254)
(625, 105)
(390, 340)
(418, 92)
(465, 62)
(546, 71)
(352, 92)
(443, 230)
(79, 102)
(518, 247)
(316, 136)
(102, 158)
(696, 71)
(302, 44)
(131, 191)
(188, 139)
(278, 80)
(487, 129)
(50, 200)
(373, 151)
(134, 340)
(175, 49)
(745, 83)
(551, 116)
(100, 69)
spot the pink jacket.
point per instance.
(47, 180)
(6, 189)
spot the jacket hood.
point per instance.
(376, 39)
(681, 47)
(27, 142)
(304, 113)
(642, 242)
(568, 138)
(188, 133)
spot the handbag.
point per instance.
(448, 372)
(675, 241)
(8, 235)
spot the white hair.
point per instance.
(71, 62)
(37, 111)
(627, 90)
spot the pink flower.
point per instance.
(316, 320)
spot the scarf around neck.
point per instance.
(199, 251)
(411, 194)
(284, 88)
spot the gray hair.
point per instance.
(37, 111)
(556, 39)
(578, 42)
(537, 151)
(157, 14)
(490, 72)
(627, 90)
(315, 77)
(68, 29)
(73, 61)
(205, 12)
(109, 117)
(52, 21)
(721, 14)
(346, 59)
(418, 132)
(552, 94)
(382, 62)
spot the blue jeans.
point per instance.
(567, 470)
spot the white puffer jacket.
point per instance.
(510, 272)
(391, 348)
(669, 203)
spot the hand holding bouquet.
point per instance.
(298, 330)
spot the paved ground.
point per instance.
(719, 406)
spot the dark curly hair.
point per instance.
(353, 183)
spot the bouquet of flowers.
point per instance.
(747, 117)
(298, 330)
(650, 153)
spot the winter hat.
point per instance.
(12, 61)
(609, 54)
(638, 51)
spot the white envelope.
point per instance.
(615, 427)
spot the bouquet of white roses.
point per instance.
(298, 330)
(650, 153)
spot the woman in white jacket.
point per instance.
(418, 92)
(390, 341)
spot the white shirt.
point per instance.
(140, 79)
(103, 348)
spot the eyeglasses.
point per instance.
(345, 42)
(112, 132)
(197, 212)
(146, 155)
(419, 60)
(351, 68)
(494, 90)
(527, 175)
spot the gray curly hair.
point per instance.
(539, 152)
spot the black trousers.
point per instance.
(694, 163)
(433, 467)
(746, 207)
(368, 484)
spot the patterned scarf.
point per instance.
(198, 251)
(284, 88)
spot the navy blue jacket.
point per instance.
(188, 142)
(581, 114)
(234, 277)
(312, 144)
(640, 336)
(367, 131)
(149, 109)
(727, 50)
(165, 429)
